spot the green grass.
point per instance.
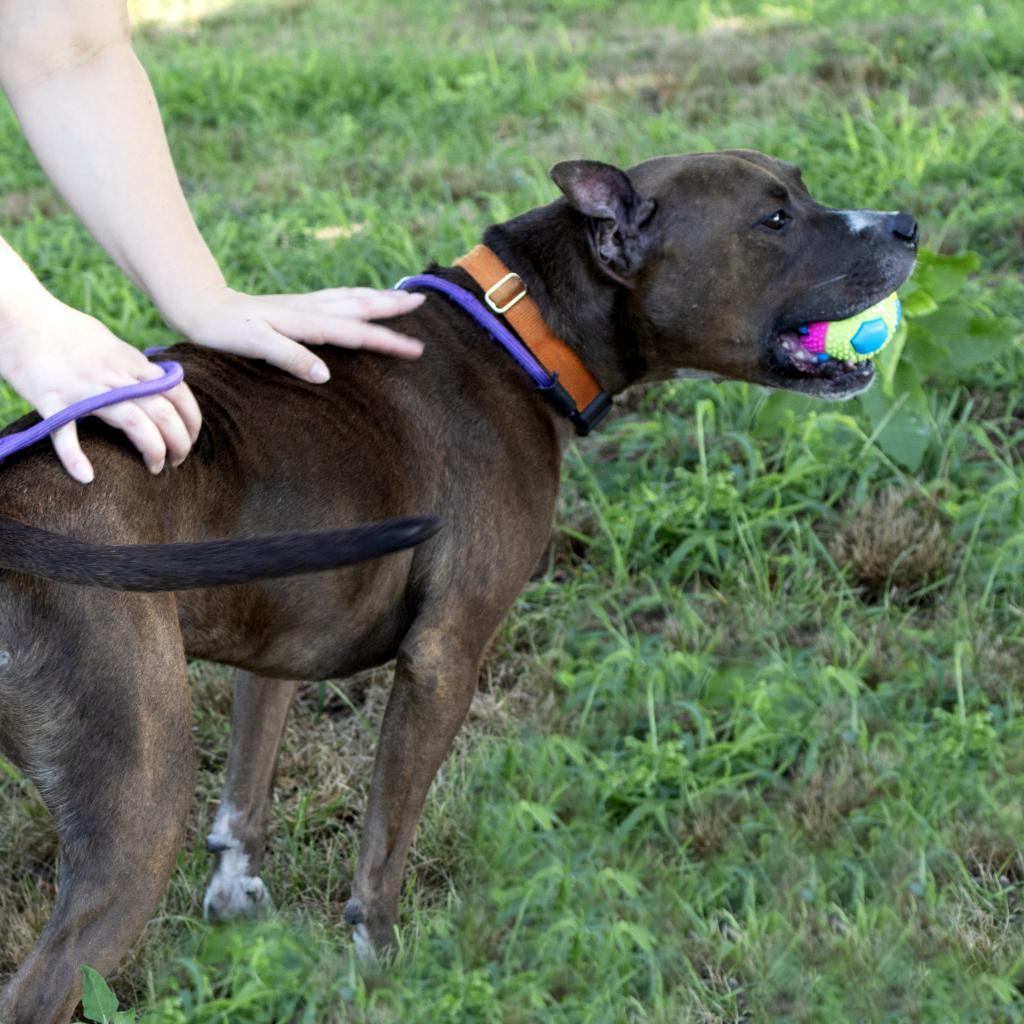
(722, 766)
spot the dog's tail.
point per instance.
(210, 563)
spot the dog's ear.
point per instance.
(619, 218)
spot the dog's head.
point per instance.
(722, 256)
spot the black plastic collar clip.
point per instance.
(583, 420)
(592, 416)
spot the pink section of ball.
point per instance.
(814, 339)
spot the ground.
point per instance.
(747, 748)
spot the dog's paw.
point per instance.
(233, 892)
(375, 943)
(356, 917)
(364, 947)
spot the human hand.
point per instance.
(53, 355)
(273, 327)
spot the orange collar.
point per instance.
(581, 398)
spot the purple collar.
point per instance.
(547, 383)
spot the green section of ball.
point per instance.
(863, 336)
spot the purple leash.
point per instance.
(490, 323)
(547, 383)
(172, 376)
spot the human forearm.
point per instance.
(20, 293)
(95, 128)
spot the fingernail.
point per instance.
(82, 472)
(157, 468)
(318, 373)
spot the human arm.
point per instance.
(88, 110)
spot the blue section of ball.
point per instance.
(870, 336)
(823, 357)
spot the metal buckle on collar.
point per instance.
(511, 302)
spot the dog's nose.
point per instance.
(903, 227)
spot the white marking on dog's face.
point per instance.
(862, 220)
(233, 890)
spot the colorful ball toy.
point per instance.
(858, 337)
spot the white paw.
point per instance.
(233, 892)
(364, 946)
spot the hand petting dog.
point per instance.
(87, 109)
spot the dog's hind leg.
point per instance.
(98, 716)
(435, 680)
(258, 715)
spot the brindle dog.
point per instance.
(701, 263)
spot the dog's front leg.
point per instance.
(433, 687)
(258, 714)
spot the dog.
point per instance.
(703, 263)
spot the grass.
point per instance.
(723, 766)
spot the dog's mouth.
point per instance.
(798, 369)
(794, 359)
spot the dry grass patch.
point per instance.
(980, 913)
(893, 543)
(823, 799)
(707, 826)
(985, 919)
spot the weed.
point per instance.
(892, 541)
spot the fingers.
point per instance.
(277, 344)
(290, 356)
(160, 426)
(324, 329)
(187, 408)
(69, 451)
(355, 303)
(359, 334)
(335, 316)
(140, 429)
(173, 430)
(184, 405)
(65, 441)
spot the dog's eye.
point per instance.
(778, 220)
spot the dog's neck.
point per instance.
(547, 249)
